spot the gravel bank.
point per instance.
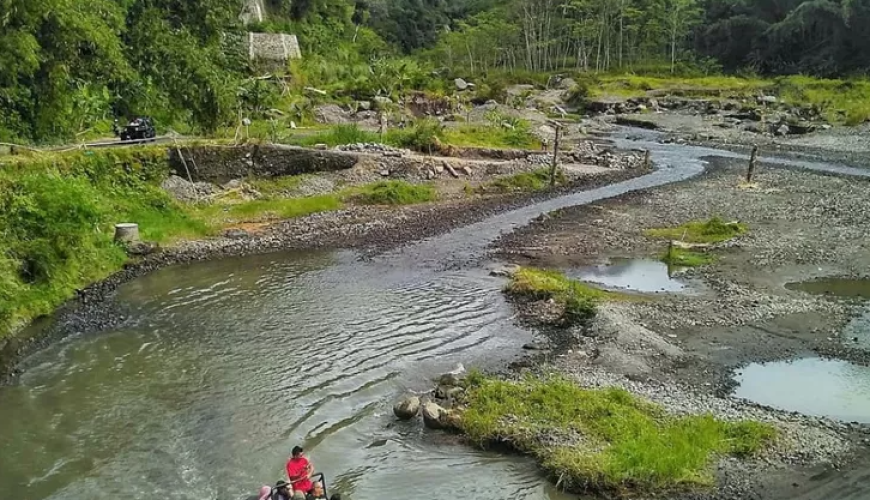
(679, 350)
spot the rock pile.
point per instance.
(441, 410)
(374, 148)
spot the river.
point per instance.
(222, 367)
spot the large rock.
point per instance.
(407, 408)
(451, 379)
(460, 84)
(566, 84)
(432, 415)
(331, 114)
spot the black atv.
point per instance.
(139, 129)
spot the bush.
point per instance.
(421, 136)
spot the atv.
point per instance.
(139, 129)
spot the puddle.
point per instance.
(834, 287)
(813, 386)
(640, 275)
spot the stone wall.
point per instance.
(220, 164)
(273, 47)
(253, 11)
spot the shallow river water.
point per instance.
(222, 367)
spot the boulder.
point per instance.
(783, 130)
(566, 84)
(767, 99)
(451, 379)
(448, 392)
(407, 408)
(142, 248)
(451, 420)
(364, 105)
(432, 415)
(460, 84)
(236, 234)
(331, 114)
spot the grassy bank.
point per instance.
(845, 101)
(577, 300)
(57, 215)
(58, 211)
(604, 441)
(536, 180)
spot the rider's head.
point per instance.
(318, 489)
(297, 451)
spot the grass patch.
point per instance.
(680, 257)
(277, 186)
(613, 441)
(490, 136)
(841, 101)
(636, 86)
(713, 230)
(268, 209)
(536, 180)
(394, 193)
(336, 136)
(579, 300)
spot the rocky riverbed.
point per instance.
(680, 349)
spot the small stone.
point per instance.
(432, 415)
(385, 173)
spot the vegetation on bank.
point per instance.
(536, 180)
(604, 440)
(58, 211)
(394, 193)
(578, 300)
(186, 63)
(57, 214)
(426, 136)
(714, 230)
(681, 257)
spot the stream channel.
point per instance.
(222, 367)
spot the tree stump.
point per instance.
(127, 232)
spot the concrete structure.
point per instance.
(273, 47)
(253, 11)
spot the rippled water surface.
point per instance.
(226, 365)
(222, 367)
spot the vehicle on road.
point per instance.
(140, 128)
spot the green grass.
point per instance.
(579, 300)
(57, 213)
(277, 186)
(680, 257)
(713, 230)
(267, 209)
(841, 101)
(635, 86)
(393, 193)
(336, 136)
(613, 442)
(489, 136)
(536, 180)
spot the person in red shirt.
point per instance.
(299, 471)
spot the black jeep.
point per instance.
(139, 129)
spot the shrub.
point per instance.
(579, 300)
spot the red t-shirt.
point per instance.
(298, 467)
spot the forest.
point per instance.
(68, 67)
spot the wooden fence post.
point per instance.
(752, 162)
(555, 157)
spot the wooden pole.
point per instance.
(555, 157)
(752, 162)
(647, 160)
